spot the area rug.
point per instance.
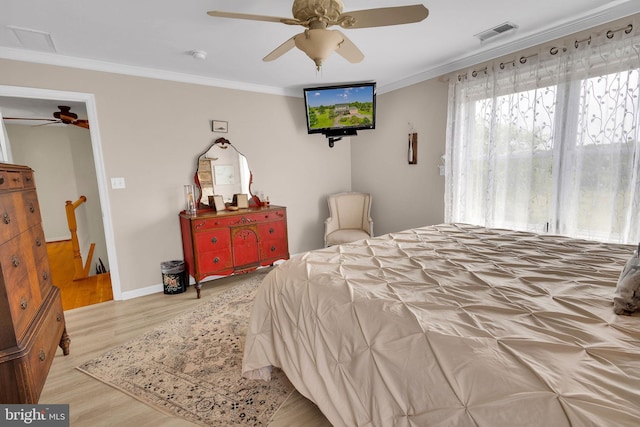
(191, 365)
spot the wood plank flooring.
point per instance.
(94, 329)
(75, 293)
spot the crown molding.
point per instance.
(110, 67)
(607, 13)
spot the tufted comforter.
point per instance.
(453, 325)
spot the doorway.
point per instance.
(98, 163)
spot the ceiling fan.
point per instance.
(63, 116)
(316, 16)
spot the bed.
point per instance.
(453, 325)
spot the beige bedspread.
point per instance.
(453, 325)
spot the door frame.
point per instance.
(96, 144)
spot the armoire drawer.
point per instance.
(19, 270)
(19, 211)
(44, 348)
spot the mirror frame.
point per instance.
(222, 142)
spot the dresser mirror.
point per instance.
(223, 171)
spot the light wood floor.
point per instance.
(75, 293)
(97, 328)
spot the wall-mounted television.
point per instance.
(340, 110)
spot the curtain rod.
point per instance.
(553, 51)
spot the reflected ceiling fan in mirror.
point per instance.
(317, 41)
(63, 116)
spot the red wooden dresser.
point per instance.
(228, 242)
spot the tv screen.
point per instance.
(342, 109)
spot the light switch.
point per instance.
(117, 183)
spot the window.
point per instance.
(551, 146)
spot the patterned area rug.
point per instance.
(191, 366)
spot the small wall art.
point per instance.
(413, 148)
(219, 126)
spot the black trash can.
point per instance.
(174, 277)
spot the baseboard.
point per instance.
(154, 289)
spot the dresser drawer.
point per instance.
(215, 261)
(27, 179)
(275, 230)
(222, 222)
(30, 364)
(10, 180)
(41, 258)
(46, 344)
(19, 211)
(11, 216)
(19, 272)
(218, 239)
(237, 219)
(272, 249)
(31, 209)
(266, 216)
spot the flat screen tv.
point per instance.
(340, 110)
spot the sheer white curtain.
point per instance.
(550, 142)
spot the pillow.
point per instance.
(627, 296)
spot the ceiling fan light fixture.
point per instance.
(318, 44)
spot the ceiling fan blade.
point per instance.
(220, 14)
(281, 50)
(349, 51)
(46, 124)
(382, 17)
(81, 123)
(28, 118)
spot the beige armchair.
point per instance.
(349, 218)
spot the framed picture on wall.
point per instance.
(219, 126)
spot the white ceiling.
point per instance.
(154, 38)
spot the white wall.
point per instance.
(403, 195)
(48, 151)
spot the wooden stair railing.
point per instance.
(81, 271)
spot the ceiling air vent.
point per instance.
(496, 31)
(33, 39)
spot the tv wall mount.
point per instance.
(337, 134)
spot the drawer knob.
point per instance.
(15, 261)
(271, 230)
(38, 241)
(273, 248)
(31, 208)
(214, 240)
(216, 260)
(23, 303)
(58, 317)
(1, 180)
(42, 355)
(16, 179)
(6, 218)
(45, 275)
